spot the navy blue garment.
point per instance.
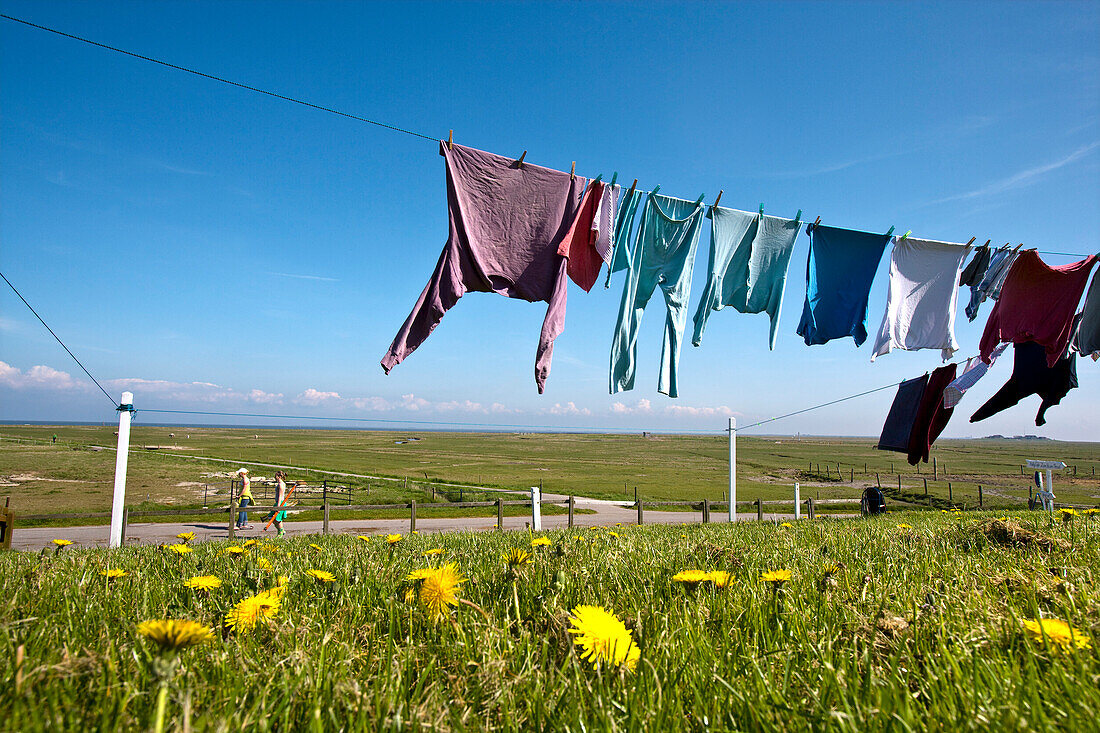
(839, 271)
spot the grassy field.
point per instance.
(882, 626)
(41, 477)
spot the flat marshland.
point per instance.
(904, 622)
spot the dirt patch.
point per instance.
(183, 484)
(22, 477)
(1010, 534)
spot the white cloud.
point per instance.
(37, 377)
(265, 398)
(569, 408)
(641, 407)
(412, 402)
(1023, 178)
(314, 397)
(684, 410)
(464, 406)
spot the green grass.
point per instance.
(923, 630)
(70, 477)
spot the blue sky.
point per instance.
(211, 248)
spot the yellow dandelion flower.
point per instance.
(321, 576)
(235, 550)
(1057, 633)
(185, 536)
(541, 542)
(830, 568)
(203, 582)
(786, 524)
(252, 542)
(1069, 511)
(775, 576)
(517, 557)
(252, 610)
(363, 537)
(173, 635)
(603, 637)
(393, 539)
(62, 543)
(720, 578)
(179, 549)
(263, 563)
(438, 589)
(905, 526)
(683, 536)
(1091, 512)
(282, 580)
(434, 551)
(315, 546)
(690, 577)
(613, 533)
(113, 573)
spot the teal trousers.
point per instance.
(663, 256)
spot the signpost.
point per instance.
(1049, 467)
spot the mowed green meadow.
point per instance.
(914, 621)
(70, 476)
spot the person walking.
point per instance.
(244, 499)
(280, 498)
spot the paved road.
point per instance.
(606, 513)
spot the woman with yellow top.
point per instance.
(244, 499)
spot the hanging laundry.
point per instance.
(990, 283)
(624, 228)
(663, 256)
(1037, 303)
(932, 416)
(1087, 341)
(749, 255)
(974, 271)
(603, 223)
(506, 222)
(1031, 375)
(920, 303)
(974, 370)
(586, 244)
(898, 427)
(839, 271)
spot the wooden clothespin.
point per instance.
(451, 140)
(987, 242)
(632, 187)
(519, 163)
(718, 197)
(573, 171)
(971, 241)
(889, 232)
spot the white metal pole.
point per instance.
(733, 470)
(797, 503)
(536, 509)
(1050, 487)
(124, 411)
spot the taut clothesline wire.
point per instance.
(392, 421)
(284, 97)
(70, 353)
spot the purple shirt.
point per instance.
(506, 223)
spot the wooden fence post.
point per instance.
(572, 503)
(500, 515)
(851, 475)
(878, 481)
(412, 516)
(706, 511)
(640, 513)
(926, 487)
(232, 515)
(810, 508)
(760, 505)
(7, 524)
(935, 470)
(979, 496)
(950, 494)
(899, 482)
(324, 528)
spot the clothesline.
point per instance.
(277, 95)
